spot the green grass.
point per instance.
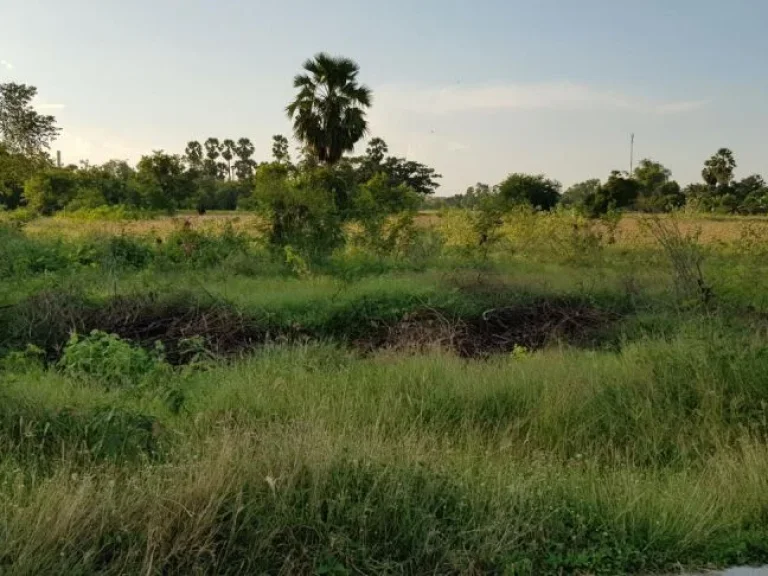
(310, 459)
(641, 454)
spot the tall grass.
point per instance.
(312, 460)
(640, 456)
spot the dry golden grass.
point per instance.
(61, 226)
(710, 230)
(630, 231)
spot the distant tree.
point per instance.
(399, 171)
(115, 182)
(228, 153)
(163, 182)
(244, 165)
(619, 191)
(22, 129)
(577, 195)
(15, 170)
(280, 151)
(194, 155)
(657, 192)
(537, 191)
(51, 190)
(328, 112)
(719, 169)
(417, 176)
(752, 195)
(376, 151)
(651, 176)
(212, 154)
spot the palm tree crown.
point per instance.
(328, 112)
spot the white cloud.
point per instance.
(7, 65)
(546, 96)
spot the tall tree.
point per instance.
(22, 128)
(328, 112)
(228, 152)
(537, 191)
(280, 149)
(194, 154)
(576, 196)
(162, 181)
(376, 151)
(420, 177)
(244, 165)
(15, 170)
(718, 170)
(651, 175)
(212, 153)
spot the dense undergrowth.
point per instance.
(526, 411)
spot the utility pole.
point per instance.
(58, 159)
(631, 153)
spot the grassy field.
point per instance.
(580, 400)
(712, 229)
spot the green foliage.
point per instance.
(618, 192)
(20, 256)
(579, 194)
(718, 170)
(280, 153)
(328, 112)
(302, 213)
(51, 190)
(374, 205)
(538, 191)
(22, 129)
(15, 170)
(110, 361)
(161, 181)
(203, 248)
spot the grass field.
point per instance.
(574, 402)
(712, 229)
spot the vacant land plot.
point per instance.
(581, 398)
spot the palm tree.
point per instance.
(212, 152)
(329, 110)
(244, 152)
(194, 154)
(228, 152)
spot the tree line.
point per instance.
(649, 188)
(329, 118)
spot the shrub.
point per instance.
(204, 248)
(109, 213)
(301, 213)
(109, 359)
(127, 252)
(21, 255)
(537, 191)
(49, 191)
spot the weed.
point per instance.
(109, 360)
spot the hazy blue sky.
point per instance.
(476, 89)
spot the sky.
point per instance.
(476, 89)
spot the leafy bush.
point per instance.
(127, 252)
(537, 191)
(204, 248)
(110, 360)
(302, 213)
(17, 217)
(21, 255)
(51, 190)
(109, 213)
